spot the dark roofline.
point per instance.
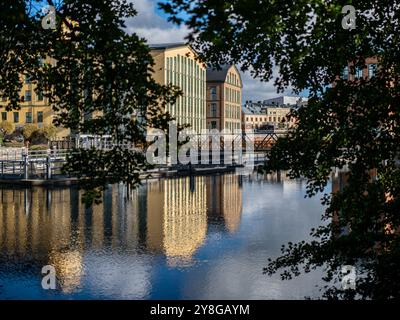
(173, 45)
(219, 75)
(163, 46)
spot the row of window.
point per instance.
(371, 68)
(184, 65)
(232, 95)
(228, 125)
(275, 113)
(262, 126)
(28, 117)
(189, 85)
(187, 106)
(232, 111)
(265, 119)
(232, 78)
(28, 96)
(232, 125)
(196, 124)
(190, 77)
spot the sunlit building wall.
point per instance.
(177, 64)
(35, 108)
(224, 98)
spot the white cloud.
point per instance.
(156, 35)
(255, 90)
(156, 29)
(149, 25)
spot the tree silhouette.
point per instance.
(96, 77)
(348, 124)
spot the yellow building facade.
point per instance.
(177, 64)
(34, 108)
(278, 117)
(275, 117)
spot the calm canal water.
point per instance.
(205, 237)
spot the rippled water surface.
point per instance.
(205, 237)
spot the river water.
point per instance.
(204, 237)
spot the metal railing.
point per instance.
(32, 164)
(47, 164)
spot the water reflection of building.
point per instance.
(177, 217)
(69, 268)
(224, 201)
(53, 227)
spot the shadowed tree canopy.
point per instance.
(96, 77)
(351, 125)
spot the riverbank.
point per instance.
(160, 173)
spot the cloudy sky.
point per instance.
(152, 25)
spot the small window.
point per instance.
(27, 79)
(40, 117)
(16, 117)
(40, 96)
(213, 92)
(358, 73)
(28, 95)
(4, 116)
(372, 70)
(213, 110)
(28, 117)
(345, 73)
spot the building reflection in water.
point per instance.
(51, 226)
(177, 217)
(224, 201)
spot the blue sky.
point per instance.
(152, 24)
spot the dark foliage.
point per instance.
(353, 124)
(97, 78)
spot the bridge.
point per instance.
(26, 164)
